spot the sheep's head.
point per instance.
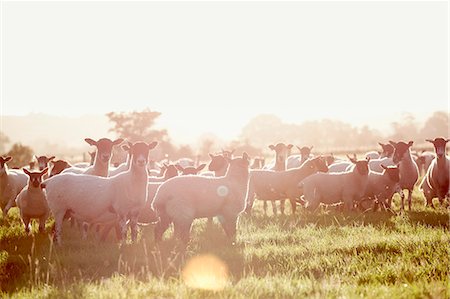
(388, 149)
(330, 159)
(400, 150)
(317, 164)
(3, 161)
(139, 152)
(190, 169)
(281, 151)
(104, 148)
(393, 172)
(92, 155)
(58, 166)
(305, 152)
(228, 153)
(217, 163)
(169, 171)
(439, 146)
(361, 166)
(43, 161)
(240, 165)
(258, 163)
(35, 177)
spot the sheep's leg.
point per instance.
(134, 228)
(84, 230)
(229, 226)
(123, 228)
(182, 229)
(274, 206)
(42, 224)
(410, 199)
(282, 205)
(348, 204)
(58, 227)
(265, 207)
(293, 205)
(402, 207)
(161, 227)
(26, 223)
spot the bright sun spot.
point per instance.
(206, 272)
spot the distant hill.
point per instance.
(54, 134)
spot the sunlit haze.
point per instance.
(211, 67)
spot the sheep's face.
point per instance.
(329, 159)
(35, 177)
(305, 152)
(43, 161)
(58, 166)
(320, 164)
(281, 152)
(3, 162)
(104, 148)
(362, 167)
(217, 163)
(393, 172)
(139, 152)
(400, 150)
(439, 146)
(240, 164)
(228, 154)
(190, 170)
(388, 149)
(92, 155)
(258, 163)
(169, 171)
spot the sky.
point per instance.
(212, 66)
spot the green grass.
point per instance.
(329, 254)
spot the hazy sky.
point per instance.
(211, 66)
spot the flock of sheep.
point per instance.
(137, 191)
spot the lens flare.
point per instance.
(206, 272)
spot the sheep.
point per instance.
(102, 158)
(382, 186)
(333, 188)
(294, 161)
(275, 185)
(409, 173)
(258, 163)
(423, 161)
(43, 161)
(185, 162)
(190, 170)
(167, 171)
(58, 166)
(182, 199)
(387, 150)
(341, 165)
(372, 155)
(436, 181)
(376, 164)
(11, 183)
(95, 199)
(124, 166)
(32, 200)
(86, 164)
(228, 154)
(218, 165)
(281, 153)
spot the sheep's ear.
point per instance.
(429, 140)
(152, 145)
(311, 147)
(26, 171)
(36, 157)
(272, 147)
(165, 165)
(290, 146)
(211, 155)
(368, 159)
(44, 171)
(351, 159)
(90, 141)
(117, 141)
(130, 144)
(381, 144)
(298, 147)
(125, 147)
(447, 140)
(410, 143)
(232, 151)
(245, 156)
(392, 142)
(8, 158)
(51, 158)
(200, 167)
(179, 167)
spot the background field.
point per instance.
(330, 254)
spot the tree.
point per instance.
(22, 155)
(437, 125)
(406, 129)
(137, 125)
(3, 141)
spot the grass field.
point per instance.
(330, 254)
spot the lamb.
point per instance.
(333, 188)
(281, 153)
(102, 158)
(258, 163)
(11, 183)
(43, 161)
(58, 166)
(297, 160)
(372, 155)
(32, 200)
(100, 200)
(376, 164)
(409, 173)
(436, 181)
(124, 166)
(228, 154)
(382, 186)
(218, 165)
(423, 161)
(387, 150)
(168, 171)
(86, 164)
(182, 199)
(190, 170)
(275, 185)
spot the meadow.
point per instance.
(329, 254)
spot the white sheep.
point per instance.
(294, 161)
(409, 173)
(124, 166)
(86, 164)
(218, 165)
(167, 171)
(11, 183)
(94, 199)
(423, 161)
(102, 158)
(32, 200)
(333, 188)
(56, 167)
(275, 185)
(436, 182)
(182, 199)
(190, 170)
(372, 155)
